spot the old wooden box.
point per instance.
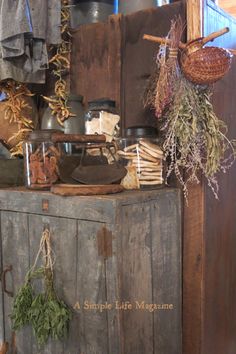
(121, 250)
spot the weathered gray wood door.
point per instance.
(79, 277)
(108, 250)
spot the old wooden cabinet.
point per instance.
(123, 250)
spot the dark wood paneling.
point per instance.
(220, 240)
(111, 59)
(96, 61)
(193, 270)
(139, 59)
(209, 230)
(219, 323)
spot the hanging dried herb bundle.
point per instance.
(169, 67)
(48, 316)
(160, 91)
(61, 63)
(16, 106)
(194, 137)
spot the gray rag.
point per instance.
(26, 28)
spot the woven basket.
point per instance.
(204, 65)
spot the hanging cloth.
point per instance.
(26, 28)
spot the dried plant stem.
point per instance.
(14, 113)
(61, 63)
(169, 67)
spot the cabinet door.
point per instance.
(64, 245)
(79, 276)
(16, 262)
(91, 291)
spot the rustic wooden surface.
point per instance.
(193, 230)
(138, 59)
(91, 287)
(2, 334)
(63, 236)
(167, 264)
(72, 189)
(15, 253)
(219, 327)
(45, 203)
(136, 278)
(194, 19)
(209, 225)
(112, 60)
(133, 268)
(96, 61)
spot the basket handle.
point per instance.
(182, 45)
(214, 35)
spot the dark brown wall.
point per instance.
(96, 61)
(209, 287)
(139, 58)
(111, 59)
(220, 240)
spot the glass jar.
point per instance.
(102, 118)
(41, 157)
(143, 160)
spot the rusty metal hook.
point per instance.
(3, 277)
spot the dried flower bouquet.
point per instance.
(194, 138)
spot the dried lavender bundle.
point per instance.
(169, 67)
(195, 137)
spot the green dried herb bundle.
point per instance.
(48, 316)
(194, 137)
(22, 303)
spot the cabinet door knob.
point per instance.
(4, 288)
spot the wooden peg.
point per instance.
(161, 40)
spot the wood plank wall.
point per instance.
(219, 325)
(209, 287)
(111, 59)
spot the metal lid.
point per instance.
(42, 135)
(141, 131)
(101, 103)
(74, 97)
(111, 2)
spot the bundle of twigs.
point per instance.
(169, 67)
